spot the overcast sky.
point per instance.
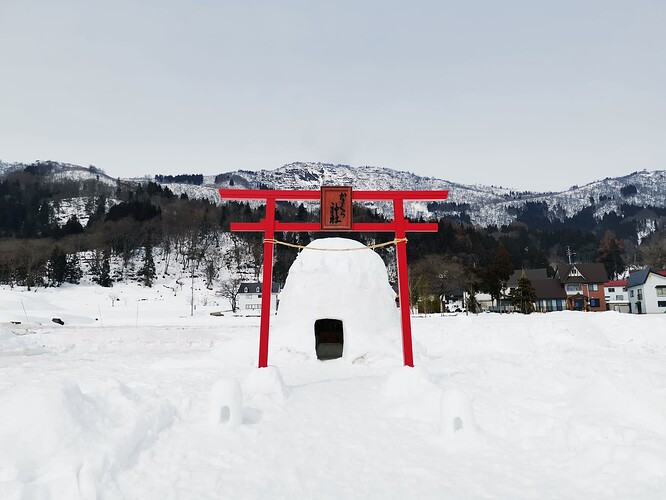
(528, 94)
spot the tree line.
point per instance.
(124, 221)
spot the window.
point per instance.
(631, 293)
(661, 291)
(594, 302)
(639, 295)
(661, 303)
(245, 289)
(611, 290)
(619, 297)
(574, 272)
(594, 287)
(574, 287)
(252, 306)
(257, 289)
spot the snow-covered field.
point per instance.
(125, 401)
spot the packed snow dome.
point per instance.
(337, 303)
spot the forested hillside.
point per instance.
(54, 229)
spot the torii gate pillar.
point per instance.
(399, 226)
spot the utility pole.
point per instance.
(569, 254)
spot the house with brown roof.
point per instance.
(550, 294)
(584, 286)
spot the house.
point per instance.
(550, 294)
(647, 291)
(584, 286)
(249, 299)
(483, 301)
(530, 274)
(617, 297)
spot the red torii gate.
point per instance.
(399, 226)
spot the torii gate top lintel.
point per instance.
(399, 226)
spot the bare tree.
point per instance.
(653, 252)
(433, 277)
(32, 259)
(229, 290)
(212, 268)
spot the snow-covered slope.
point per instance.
(58, 171)
(6, 168)
(485, 205)
(481, 205)
(117, 404)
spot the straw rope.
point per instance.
(395, 241)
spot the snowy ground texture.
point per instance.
(140, 400)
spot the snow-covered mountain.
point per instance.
(57, 171)
(479, 204)
(6, 168)
(484, 205)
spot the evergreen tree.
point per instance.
(72, 226)
(57, 267)
(523, 296)
(105, 271)
(147, 271)
(44, 217)
(73, 272)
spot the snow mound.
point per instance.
(266, 383)
(457, 416)
(9, 341)
(346, 282)
(411, 393)
(226, 403)
(58, 442)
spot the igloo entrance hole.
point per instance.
(329, 338)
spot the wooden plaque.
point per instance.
(336, 208)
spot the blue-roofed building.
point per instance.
(647, 291)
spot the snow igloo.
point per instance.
(337, 303)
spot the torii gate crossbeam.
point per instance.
(399, 226)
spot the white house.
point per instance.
(647, 292)
(617, 297)
(249, 299)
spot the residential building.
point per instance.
(584, 286)
(647, 291)
(550, 294)
(617, 297)
(530, 274)
(249, 299)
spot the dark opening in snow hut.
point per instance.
(329, 338)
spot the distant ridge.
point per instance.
(476, 204)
